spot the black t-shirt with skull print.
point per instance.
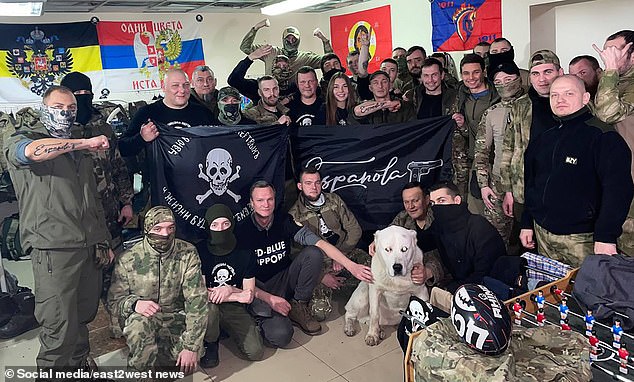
(306, 115)
(230, 269)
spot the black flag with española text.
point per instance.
(368, 165)
(195, 168)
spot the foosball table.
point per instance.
(552, 304)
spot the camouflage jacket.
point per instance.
(247, 46)
(111, 173)
(262, 116)
(431, 259)
(516, 137)
(337, 217)
(487, 156)
(59, 204)
(173, 280)
(534, 355)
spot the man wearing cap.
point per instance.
(204, 90)
(487, 156)
(530, 115)
(577, 181)
(382, 109)
(501, 51)
(229, 113)
(614, 104)
(229, 275)
(111, 174)
(269, 110)
(290, 40)
(475, 95)
(249, 87)
(159, 297)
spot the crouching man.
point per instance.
(158, 294)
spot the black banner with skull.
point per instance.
(369, 165)
(195, 168)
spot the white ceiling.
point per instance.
(176, 6)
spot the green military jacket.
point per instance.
(448, 98)
(487, 156)
(174, 281)
(59, 203)
(534, 355)
(337, 217)
(262, 116)
(247, 46)
(111, 173)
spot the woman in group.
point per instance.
(340, 100)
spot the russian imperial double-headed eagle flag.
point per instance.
(461, 25)
(36, 56)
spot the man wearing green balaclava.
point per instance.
(229, 275)
(290, 48)
(158, 295)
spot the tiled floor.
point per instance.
(330, 356)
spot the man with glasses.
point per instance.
(327, 215)
(174, 110)
(204, 90)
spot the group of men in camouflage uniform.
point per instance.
(157, 286)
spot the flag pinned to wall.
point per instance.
(347, 30)
(461, 25)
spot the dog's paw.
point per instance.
(381, 334)
(349, 328)
(372, 340)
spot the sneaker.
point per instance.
(300, 315)
(210, 359)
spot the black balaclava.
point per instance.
(76, 81)
(499, 58)
(220, 243)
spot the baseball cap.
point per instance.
(228, 91)
(544, 56)
(290, 31)
(379, 73)
(508, 67)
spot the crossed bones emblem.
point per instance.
(218, 174)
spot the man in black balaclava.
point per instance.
(290, 48)
(330, 65)
(501, 51)
(111, 174)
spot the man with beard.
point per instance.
(290, 40)
(475, 95)
(111, 174)
(307, 110)
(383, 109)
(268, 111)
(587, 68)
(415, 57)
(229, 113)
(249, 87)
(501, 51)
(204, 90)
(62, 220)
(327, 214)
(487, 157)
(530, 115)
(174, 110)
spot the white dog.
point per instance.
(396, 253)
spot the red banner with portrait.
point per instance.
(347, 30)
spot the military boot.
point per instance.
(7, 308)
(210, 359)
(24, 319)
(300, 315)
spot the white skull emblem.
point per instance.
(219, 174)
(222, 277)
(419, 314)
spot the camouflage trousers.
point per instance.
(497, 218)
(321, 301)
(625, 242)
(154, 341)
(238, 322)
(569, 249)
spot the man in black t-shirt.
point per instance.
(174, 110)
(278, 278)
(229, 275)
(307, 109)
